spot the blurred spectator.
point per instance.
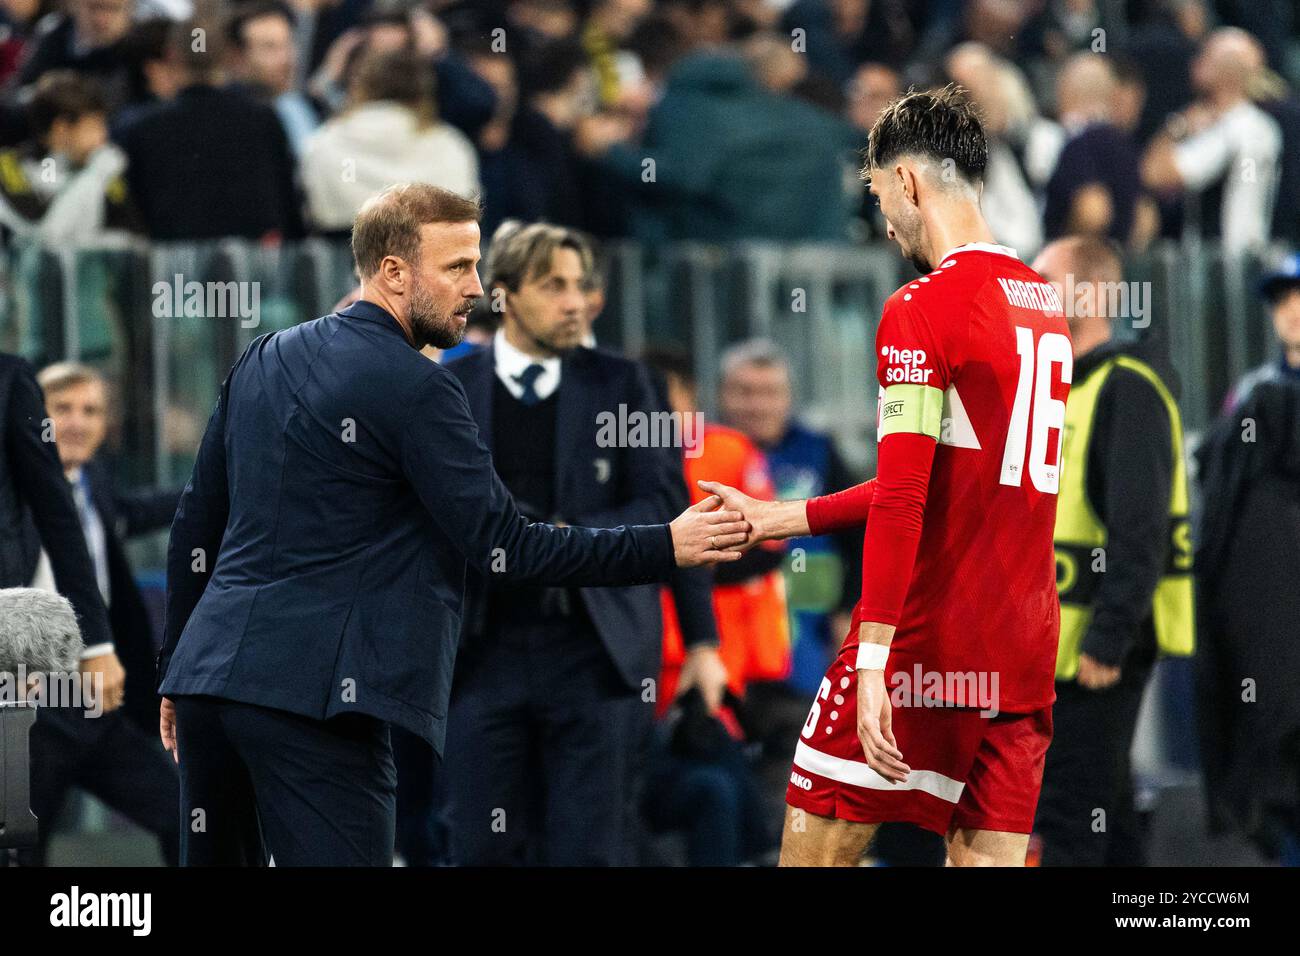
(511, 186)
(1162, 49)
(1008, 196)
(558, 94)
(544, 20)
(1271, 22)
(529, 167)
(700, 781)
(774, 64)
(465, 101)
(837, 35)
(749, 595)
(265, 65)
(872, 88)
(18, 18)
(1281, 292)
(720, 158)
(89, 38)
(1247, 667)
(389, 133)
(1130, 95)
(617, 69)
(1271, 93)
(702, 23)
(77, 398)
(210, 162)
(66, 186)
(756, 400)
(1062, 28)
(155, 76)
(1223, 149)
(1094, 190)
(1124, 560)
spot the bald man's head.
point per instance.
(1228, 61)
(1087, 272)
(1086, 88)
(1087, 258)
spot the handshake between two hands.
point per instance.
(720, 528)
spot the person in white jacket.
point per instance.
(388, 133)
(66, 187)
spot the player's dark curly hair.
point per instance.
(942, 124)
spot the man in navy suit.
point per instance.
(317, 563)
(541, 762)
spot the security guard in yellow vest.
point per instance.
(1123, 561)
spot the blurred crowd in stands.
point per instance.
(711, 120)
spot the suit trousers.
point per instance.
(107, 756)
(259, 784)
(542, 743)
(1086, 815)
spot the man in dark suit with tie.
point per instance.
(316, 568)
(95, 747)
(541, 759)
(77, 399)
(117, 757)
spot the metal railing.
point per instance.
(115, 307)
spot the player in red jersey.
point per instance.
(937, 710)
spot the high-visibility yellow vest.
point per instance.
(1081, 537)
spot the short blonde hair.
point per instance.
(55, 378)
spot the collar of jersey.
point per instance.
(982, 247)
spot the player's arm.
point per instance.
(889, 549)
(918, 363)
(773, 520)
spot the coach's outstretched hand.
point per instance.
(702, 535)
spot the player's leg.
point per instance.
(811, 840)
(994, 817)
(970, 847)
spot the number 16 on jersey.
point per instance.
(1035, 412)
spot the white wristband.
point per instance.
(872, 657)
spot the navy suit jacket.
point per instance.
(317, 558)
(602, 487)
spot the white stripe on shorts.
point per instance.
(858, 774)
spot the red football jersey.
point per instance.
(977, 355)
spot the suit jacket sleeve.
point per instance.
(42, 485)
(147, 510)
(197, 529)
(451, 471)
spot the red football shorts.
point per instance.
(968, 770)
